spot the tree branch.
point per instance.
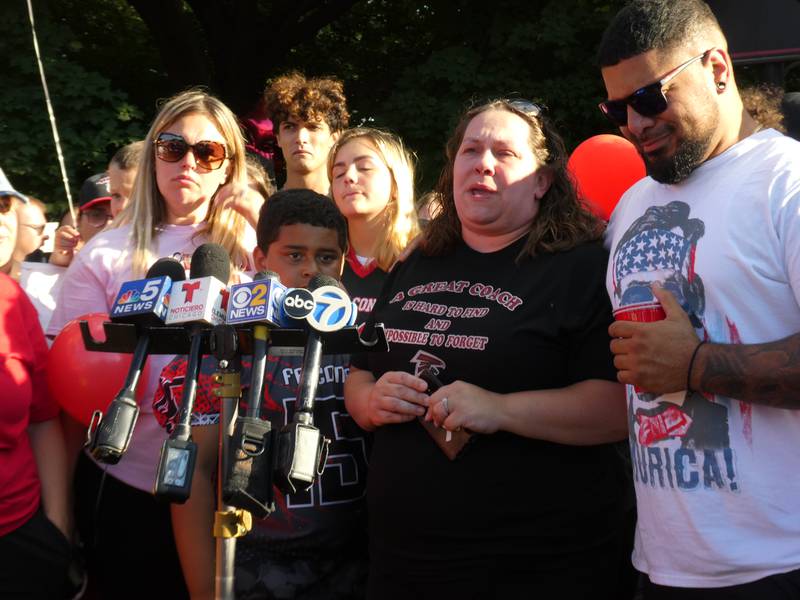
(179, 42)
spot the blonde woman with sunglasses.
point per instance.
(194, 148)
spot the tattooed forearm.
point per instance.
(767, 374)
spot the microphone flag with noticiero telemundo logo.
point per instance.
(197, 303)
(200, 298)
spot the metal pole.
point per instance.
(226, 546)
(229, 523)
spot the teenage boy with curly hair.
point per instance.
(308, 116)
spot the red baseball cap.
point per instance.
(93, 191)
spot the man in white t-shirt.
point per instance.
(713, 235)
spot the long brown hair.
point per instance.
(562, 221)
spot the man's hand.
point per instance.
(655, 356)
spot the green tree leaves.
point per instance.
(93, 118)
(408, 66)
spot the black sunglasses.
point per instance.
(649, 100)
(209, 155)
(97, 218)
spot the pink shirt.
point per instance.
(91, 285)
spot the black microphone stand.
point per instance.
(230, 522)
(309, 377)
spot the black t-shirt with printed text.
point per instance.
(506, 327)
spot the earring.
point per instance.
(720, 85)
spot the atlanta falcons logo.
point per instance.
(426, 362)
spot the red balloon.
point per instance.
(82, 381)
(604, 167)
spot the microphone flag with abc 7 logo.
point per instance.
(333, 308)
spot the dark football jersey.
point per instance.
(315, 537)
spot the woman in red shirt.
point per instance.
(34, 514)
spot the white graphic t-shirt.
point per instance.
(716, 485)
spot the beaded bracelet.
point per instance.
(691, 365)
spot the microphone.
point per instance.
(197, 303)
(262, 295)
(248, 482)
(142, 303)
(333, 309)
(199, 299)
(302, 449)
(326, 308)
(257, 301)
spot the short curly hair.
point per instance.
(316, 99)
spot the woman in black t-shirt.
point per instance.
(521, 494)
(372, 183)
